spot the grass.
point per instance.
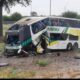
(10, 73)
(5, 28)
(1, 47)
(42, 63)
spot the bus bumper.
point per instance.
(12, 49)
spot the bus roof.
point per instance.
(65, 18)
(29, 20)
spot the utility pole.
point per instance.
(50, 13)
(65, 7)
(31, 10)
(50, 7)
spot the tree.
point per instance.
(6, 18)
(16, 16)
(78, 17)
(34, 13)
(70, 14)
(7, 4)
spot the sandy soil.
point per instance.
(63, 66)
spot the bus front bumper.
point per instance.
(12, 49)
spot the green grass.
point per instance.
(10, 72)
(5, 28)
(42, 63)
(1, 47)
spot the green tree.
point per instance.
(70, 14)
(78, 17)
(7, 4)
(6, 18)
(15, 16)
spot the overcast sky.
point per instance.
(42, 7)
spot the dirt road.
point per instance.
(63, 66)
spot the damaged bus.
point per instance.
(26, 35)
(38, 34)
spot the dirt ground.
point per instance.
(63, 66)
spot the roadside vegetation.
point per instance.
(42, 63)
(10, 72)
(6, 27)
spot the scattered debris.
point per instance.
(77, 56)
(58, 54)
(4, 64)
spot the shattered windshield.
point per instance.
(15, 27)
(12, 39)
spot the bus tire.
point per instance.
(75, 46)
(69, 47)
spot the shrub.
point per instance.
(42, 63)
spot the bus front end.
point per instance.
(12, 43)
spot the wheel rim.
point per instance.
(75, 47)
(69, 47)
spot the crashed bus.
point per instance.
(26, 35)
(64, 33)
(38, 34)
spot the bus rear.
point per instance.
(62, 34)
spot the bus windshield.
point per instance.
(12, 39)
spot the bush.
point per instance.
(42, 63)
(7, 18)
(16, 16)
(70, 14)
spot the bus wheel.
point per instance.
(75, 46)
(69, 47)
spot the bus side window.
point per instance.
(45, 21)
(54, 22)
(63, 23)
(73, 23)
(35, 28)
(71, 37)
(42, 25)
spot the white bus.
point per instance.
(63, 33)
(41, 33)
(26, 35)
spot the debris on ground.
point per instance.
(4, 64)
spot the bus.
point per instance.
(38, 34)
(63, 33)
(25, 35)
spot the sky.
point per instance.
(42, 7)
